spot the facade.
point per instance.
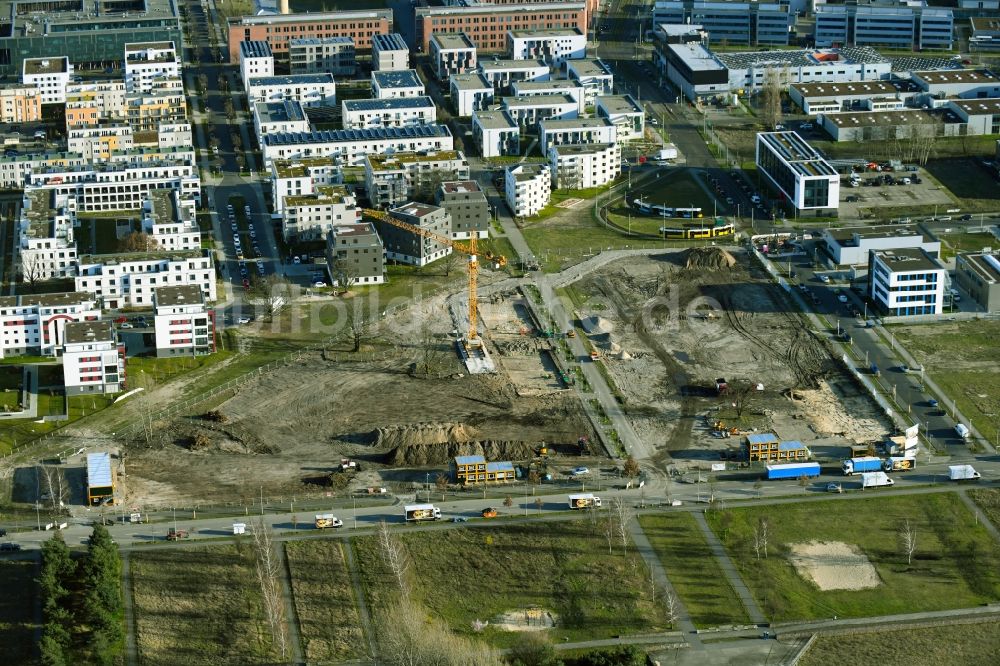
(349, 147)
(390, 112)
(750, 71)
(394, 179)
(181, 323)
(502, 74)
(901, 27)
(527, 112)
(171, 221)
(97, 143)
(49, 75)
(851, 246)
(327, 55)
(579, 131)
(256, 61)
(470, 93)
(577, 167)
(527, 189)
(467, 206)
(20, 103)
(452, 53)
(551, 46)
(900, 124)
(985, 29)
(307, 217)
(695, 71)
(165, 104)
(301, 177)
(129, 280)
(393, 84)
(766, 447)
(496, 134)
(817, 98)
(14, 171)
(94, 101)
(279, 30)
(906, 281)
(36, 324)
(93, 360)
(978, 274)
(964, 83)
(147, 63)
(626, 114)
(557, 87)
(354, 254)
(474, 469)
(285, 116)
(307, 89)
(748, 23)
(117, 185)
(46, 243)
(487, 24)
(409, 248)
(389, 53)
(100, 479)
(593, 75)
(806, 180)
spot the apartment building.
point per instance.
(496, 133)
(527, 189)
(330, 55)
(46, 242)
(593, 75)
(804, 178)
(285, 116)
(35, 324)
(556, 87)
(551, 46)
(279, 30)
(467, 206)
(307, 89)
(117, 185)
(309, 217)
(577, 167)
(409, 248)
(906, 281)
(129, 280)
(390, 53)
(96, 143)
(487, 24)
(577, 131)
(398, 83)
(391, 112)
(93, 360)
(301, 177)
(14, 171)
(452, 53)
(470, 92)
(393, 179)
(527, 112)
(501, 74)
(625, 113)
(349, 147)
(354, 255)
(94, 101)
(171, 221)
(20, 103)
(49, 75)
(256, 61)
(146, 63)
(182, 325)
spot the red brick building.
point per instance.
(487, 24)
(277, 30)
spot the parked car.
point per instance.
(825, 279)
(579, 471)
(10, 547)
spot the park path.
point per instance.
(359, 595)
(128, 609)
(294, 634)
(729, 569)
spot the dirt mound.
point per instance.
(423, 433)
(714, 258)
(834, 565)
(441, 453)
(596, 325)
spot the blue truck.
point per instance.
(859, 465)
(792, 470)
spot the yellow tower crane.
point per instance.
(465, 247)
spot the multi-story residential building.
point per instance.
(349, 147)
(307, 89)
(20, 103)
(578, 131)
(978, 274)
(850, 246)
(409, 248)
(148, 62)
(96, 143)
(798, 172)
(354, 255)
(729, 22)
(527, 189)
(169, 135)
(470, 93)
(389, 53)
(496, 133)
(474, 469)
(307, 217)
(593, 75)
(46, 244)
(331, 55)
(501, 74)
(36, 324)
(452, 53)
(128, 280)
(396, 178)
(147, 112)
(915, 27)
(91, 102)
(467, 206)
(527, 112)
(627, 115)
(577, 167)
(14, 171)
(117, 185)
(171, 221)
(279, 30)
(93, 360)
(182, 325)
(391, 112)
(301, 177)
(397, 83)
(487, 24)
(551, 46)
(49, 75)
(285, 116)
(256, 61)
(557, 87)
(906, 282)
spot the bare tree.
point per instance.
(671, 607)
(394, 557)
(908, 540)
(345, 273)
(757, 542)
(31, 270)
(441, 482)
(270, 294)
(55, 489)
(761, 535)
(410, 636)
(631, 468)
(137, 241)
(741, 395)
(608, 529)
(771, 98)
(622, 515)
(268, 572)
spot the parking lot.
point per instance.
(878, 192)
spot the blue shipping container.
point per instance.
(792, 470)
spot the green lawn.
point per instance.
(17, 624)
(968, 180)
(97, 235)
(11, 377)
(564, 241)
(51, 402)
(956, 564)
(961, 241)
(679, 188)
(693, 570)
(50, 375)
(988, 499)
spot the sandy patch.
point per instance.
(527, 619)
(834, 565)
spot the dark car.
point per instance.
(965, 218)
(3, 532)
(10, 547)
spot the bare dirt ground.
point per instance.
(834, 565)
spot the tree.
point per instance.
(268, 571)
(270, 294)
(908, 540)
(58, 569)
(408, 636)
(137, 241)
(31, 270)
(741, 395)
(761, 533)
(622, 515)
(426, 184)
(508, 501)
(608, 529)
(631, 468)
(534, 478)
(441, 482)
(533, 649)
(671, 607)
(102, 599)
(394, 557)
(770, 98)
(345, 273)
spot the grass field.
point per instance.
(988, 499)
(965, 241)
(465, 575)
(693, 570)
(324, 599)
(968, 180)
(956, 564)
(17, 607)
(955, 645)
(198, 606)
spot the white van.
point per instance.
(962, 431)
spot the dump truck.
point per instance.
(584, 501)
(325, 520)
(963, 473)
(899, 464)
(792, 471)
(862, 464)
(418, 512)
(876, 480)
(175, 535)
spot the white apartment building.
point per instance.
(389, 53)
(174, 135)
(97, 142)
(36, 324)
(578, 131)
(171, 221)
(308, 89)
(470, 92)
(128, 280)
(117, 185)
(553, 46)
(14, 171)
(46, 245)
(148, 62)
(93, 360)
(284, 116)
(302, 176)
(307, 217)
(256, 61)
(181, 323)
(452, 53)
(496, 133)
(527, 112)
(906, 281)
(627, 115)
(527, 189)
(593, 75)
(393, 179)
(319, 55)
(502, 73)
(349, 147)
(397, 83)
(577, 167)
(50, 75)
(555, 87)
(392, 112)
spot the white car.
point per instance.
(244, 320)
(318, 284)
(825, 279)
(579, 471)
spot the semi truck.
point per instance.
(899, 464)
(325, 520)
(963, 473)
(417, 512)
(876, 480)
(862, 464)
(792, 470)
(584, 501)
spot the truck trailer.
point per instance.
(963, 473)
(876, 480)
(863, 464)
(417, 512)
(899, 464)
(584, 501)
(792, 470)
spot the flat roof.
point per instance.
(500, 9)
(505, 64)
(98, 468)
(56, 299)
(494, 120)
(538, 100)
(890, 118)
(88, 331)
(53, 65)
(285, 111)
(854, 88)
(802, 57)
(452, 40)
(147, 46)
(470, 81)
(545, 32)
(943, 77)
(255, 48)
(570, 123)
(313, 41)
(290, 79)
(460, 187)
(299, 167)
(524, 172)
(416, 209)
(619, 103)
(985, 23)
(420, 102)
(581, 148)
(181, 295)
(908, 259)
(978, 107)
(558, 84)
(400, 78)
(849, 236)
(391, 42)
(355, 230)
(163, 210)
(802, 157)
(381, 161)
(79, 16)
(589, 67)
(327, 194)
(346, 135)
(313, 17)
(986, 265)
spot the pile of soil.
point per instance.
(713, 258)
(442, 453)
(423, 433)
(597, 325)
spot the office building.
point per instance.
(467, 206)
(527, 189)
(182, 325)
(327, 55)
(487, 24)
(354, 255)
(35, 324)
(892, 26)
(905, 282)
(93, 361)
(452, 53)
(349, 147)
(470, 93)
(800, 174)
(389, 112)
(279, 30)
(978, 274)
(389, 53)
(850, 246)
(749, 23)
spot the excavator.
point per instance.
(465, 247)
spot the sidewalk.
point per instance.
(733, 576)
